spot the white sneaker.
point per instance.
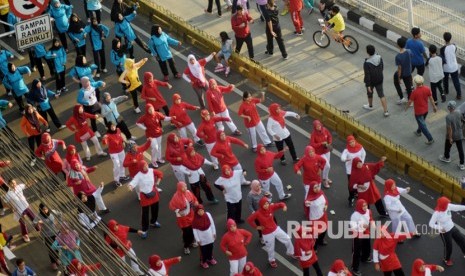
(443, 159)
(219, 67)
(33, 162)
(386, 114)
(97, 134)
(195, 244)
(62, 127)
(401, 101)
(368, 107)
(97, 75)
(104, 70)
(137, 110)
(227, 71)
(462, 167)
(159, 190)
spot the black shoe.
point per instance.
(356, 272)
(104, 212)
(240, 221)
(369, 260)
(268, 53)
(351, 202)
(296, 160)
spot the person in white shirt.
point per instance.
(441, 220)
(436, 73)
(230, 183)
(16, 199)
(276, 127)
(353, 149)
(450, 65)
(205, 235)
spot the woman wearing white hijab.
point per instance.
(195, 75)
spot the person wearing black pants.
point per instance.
(234, 211)
(273, 30)
(454, 134)
(39, 96)
(153, 209)
(88, 98)
(203, 183)
(218, 6)
(98, 32)
(360, 223)
(240, 24)
(230, 184)
(188, 238)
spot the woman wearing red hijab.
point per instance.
(276, 127)
(362, 179)
(230, 184)
(233, 244)
(159, 267)
(321, 140)
(71, 153)
(76, 268)
(82, 132)
(217, 106)
(120, 236)
(419, 268)
(183, 203)
(223, 151)
(193, 164)
(48, 150)
(360, 223)
(384, 252)
(316, 205)
(304, 250)
(339, 268)
(352, 150)
(251, 270)
(183, 121)
(312, 165)
(266, 173)
(114, 139)
(175, 154)
(150, 122)
(147, 181)
(442, 222)
(205, 235)
(152, 95)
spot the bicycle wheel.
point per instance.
(350, 44)
(321, 39)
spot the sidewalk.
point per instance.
(334, 75)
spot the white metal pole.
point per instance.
(410, 14)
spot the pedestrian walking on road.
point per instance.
(321, 140)
(209, 9)
(441, 221)
(454, 134)
(130, 77)
(195, 75)
(159, 47)
(420, 268)
(233, 244)
(436, 74)
(420, 97)
(273, 30)
(451, 67)
(312, 165)
(417, 48)
(295, 7)
(304, 250)
(353, 149)
(240, 24)
(373, 68)
(205, 235)
(404, 71)
(159, 267)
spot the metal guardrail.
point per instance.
(6, 23)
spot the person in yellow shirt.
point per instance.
(4, 14)
(130, 77)
(336, 22)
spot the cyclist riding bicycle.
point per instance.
(336, 22)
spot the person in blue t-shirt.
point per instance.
(417, 48)
(404, 71)
(23, 269)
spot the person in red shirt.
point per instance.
(240, 24)
(295, 6)
(161, 267)
(134, 155)
(195, 75)
(248, 111)
(321, 140)
(114, 140)
(175, 154)
(270, 230)
(217, 106)
(119, 235)
(266, 173)
(233, 244)
(251, 270)
(223, 152)
(339, 268)
(82, 132)
(362, 179)
(77, 268)
(419, 268)
(207, 131)
(150, 122)
(384, 251)
(183, 203)
(71, 154)
(48, 151)
(312, 165)
(183, 121)
(152, 95)
(304, 251)
(419, 98)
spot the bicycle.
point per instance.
(322, 39)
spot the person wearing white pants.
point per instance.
(183, 122)
(271, 231)
(248, 111)
(115, 142)
(277, 183)
(192, 130)
(321, 140)
(97, 146)
(99, 199)
(233, 244)
(175, 154)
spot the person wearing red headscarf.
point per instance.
(114, 139)
(339, 268)
(82, 132)
(312, 165)
(71, 154)
(321, 140)
(360, 223)
(147, 181)
(150, 122)
(182, 203)
(48, 150)
(2, 182)
(175, 154)
(304, 250)
(266, 173)
(159, 267)
(353, 149)
(316, 205)
(223, 151)
(251, 270)
(205, 235)
(384, 252)
(183, 121)
(276, 127)
(217, 106)
(233, 244)
(271, 231)
(230, 184)
(248, 111)
(419, 268)
(441, 221)
(207, 131)
(152, 95)
(362, 179)
(134, 155)
(395, 208)
(193, 165)
(120, 237)
(76, 268)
